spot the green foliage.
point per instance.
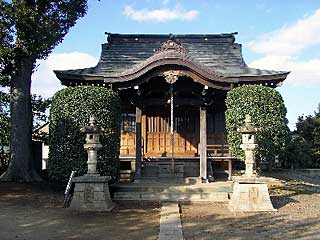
(308, 129)
(298, 154)
(34, 28)
(268, 112)
(70, 110)
(40, 118)
(31, 29)
(7, 40)
(4, 131)
(39, 108)
(4, 119)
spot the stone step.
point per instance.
(217, 192)
(170, 189)
(175, 197)
(172, 180)
(163, 188)
(126, 176)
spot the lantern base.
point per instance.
(91, 193)
(250, 194)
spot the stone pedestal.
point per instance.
(250, 195)
(91, 193)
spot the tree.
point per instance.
(268, 112)
(308, 128)
(298, 153)
(30, 29)
(39, 108)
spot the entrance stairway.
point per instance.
(147, 190)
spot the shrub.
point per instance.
(70, 110)
(268, 113)
(4, 131)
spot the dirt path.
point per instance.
(34, 212)
(298, 218)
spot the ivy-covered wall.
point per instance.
(268, 112)
(70, 110)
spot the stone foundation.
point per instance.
(165, 170)
(184, 168)
(91, 193)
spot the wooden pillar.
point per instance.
(203, 144)
(230, 169)
(138, 143)
(144, 133)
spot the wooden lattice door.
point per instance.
(186, 136)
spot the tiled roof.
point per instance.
(213, 52)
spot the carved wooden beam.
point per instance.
(172, 45)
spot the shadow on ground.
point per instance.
(298, 218)
(35, 212)
(243, 227)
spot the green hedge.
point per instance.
(70, 110)
(268, 112)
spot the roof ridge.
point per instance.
(139, 35)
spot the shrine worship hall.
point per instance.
(172, 90)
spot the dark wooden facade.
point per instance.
(153, 99)
(149, 71)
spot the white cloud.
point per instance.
(159, 15)
(290, 40)
(44, 81)
(283, 50)
(302, 72)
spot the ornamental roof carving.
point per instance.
(172, 45)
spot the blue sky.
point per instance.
(279, 35)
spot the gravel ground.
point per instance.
(298, 218)
(34, 212)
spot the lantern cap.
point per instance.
(247, 127)
(92, 127)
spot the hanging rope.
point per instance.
(171, 127)
(171, 77)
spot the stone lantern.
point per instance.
(91, 191)
(250, 192)
(92, 145)
(249, 145)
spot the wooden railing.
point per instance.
(220, 153)
(218, 150)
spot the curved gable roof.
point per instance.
(126, 57)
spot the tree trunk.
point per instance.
(21, 167)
